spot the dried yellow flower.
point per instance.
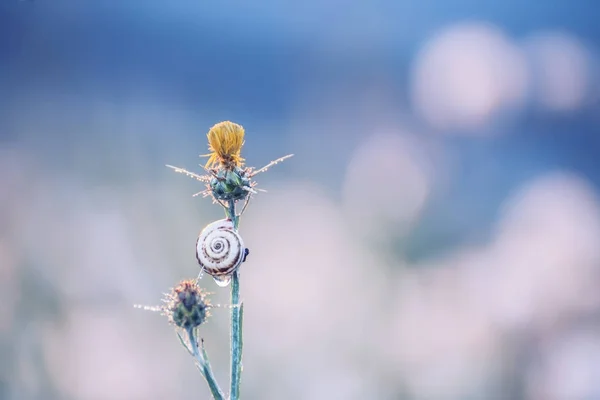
(225, 141)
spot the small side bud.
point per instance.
(187, 306)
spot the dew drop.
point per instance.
(222, 281)
(148, 308)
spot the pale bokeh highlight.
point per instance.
(466, 74)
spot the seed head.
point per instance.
(225, 141)
(187, 306)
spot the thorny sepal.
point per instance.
(231, 184)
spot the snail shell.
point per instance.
(220, 249)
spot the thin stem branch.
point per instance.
(204, 366)
(236, 321)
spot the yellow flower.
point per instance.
(225, 141)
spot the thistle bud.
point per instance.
(230, 184)
(187, 306)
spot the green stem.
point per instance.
(231, 214)
(236, 338)
(204, 366)
(236, 321)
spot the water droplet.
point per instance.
(148, 308)
(222, 281)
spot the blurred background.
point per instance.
(434, 237)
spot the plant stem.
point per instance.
(231, 214)
(204, 366)
(236, 321)
(236, 338)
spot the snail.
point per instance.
(220, 249)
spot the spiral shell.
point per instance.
(220, 249)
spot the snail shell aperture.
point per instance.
(220, 249)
